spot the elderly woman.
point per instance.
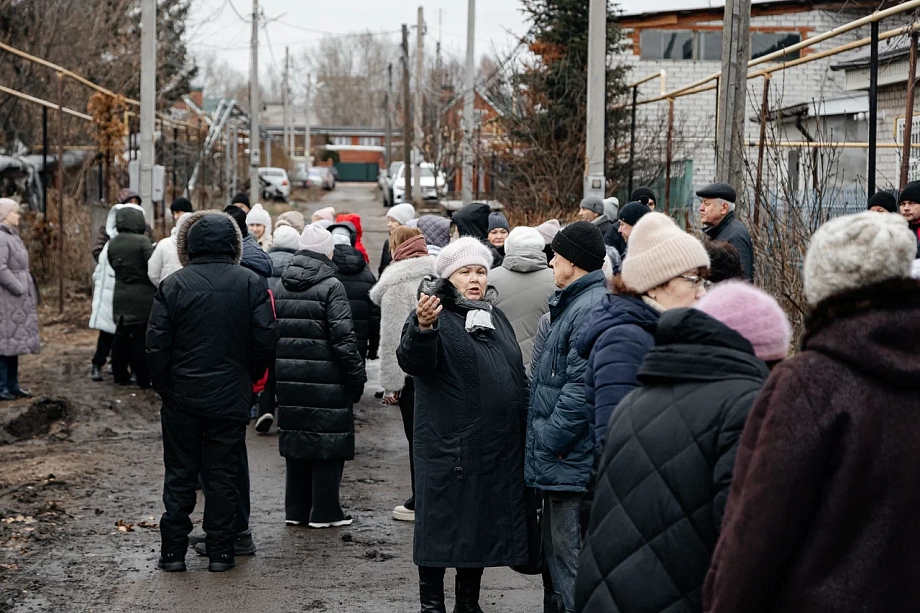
(18, 303)
(469, 429)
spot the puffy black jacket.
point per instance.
(128, 255)
(473, 220)
(211, 330)
(357, 278)
(318, 368)
(666, 470)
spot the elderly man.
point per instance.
(717, 212)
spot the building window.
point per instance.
(369, 141)
(706, 45)
(341, 140)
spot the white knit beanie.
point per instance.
(549, 229)
(402, 213)
(855, 251)
(7, 206)
(317, 240)
(286, 237)
(523, 239)
(658, 252)
(466, 251)
(258, 215)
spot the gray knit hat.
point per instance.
(593, 203)
(855, 251)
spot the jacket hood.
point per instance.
(280, 259)
(110, 228)
(563, 297)
(346, 225)
(305, 270)
(130, 219)
(354, 220)
(348, 260)
(616, 310)
(473, 220)
(691, 345)
(217, 234)
(412, 271)
(874, 331)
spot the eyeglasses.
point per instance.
(697, 281)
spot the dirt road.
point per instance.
(63, 492)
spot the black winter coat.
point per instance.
(733, 232)
(473, 220)
(357, 278)
(470, 411)
(211, 330)
(386, 258)
(614, 239)
(667, 468)
(128, 255)
(318, 368)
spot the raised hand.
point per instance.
(427, 311)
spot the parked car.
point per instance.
(319, 176)
(279, 184)
(433, 184)
(388, 180)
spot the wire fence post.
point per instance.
(60, 177)
(632, 139)
(669, 158)
(45, 158)
(764, 111)
(909, 113)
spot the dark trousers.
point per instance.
(267, 399)
(9, 373)
(311, 492)
(432, 574)
(242, 485)
(130, 350)
(103, 348)
(407, 410)
(211, 448)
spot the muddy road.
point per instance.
(80, 499)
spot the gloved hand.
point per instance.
(372, 354)
(356, 393)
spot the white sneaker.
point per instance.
(291, 522)
(333, 524)
(401, 513)
(264, 423)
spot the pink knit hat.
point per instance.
(327, 214)
(753, 314)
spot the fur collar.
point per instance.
(189, 220)
(411, 270)
(451, 298)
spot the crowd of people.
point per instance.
(608, 403)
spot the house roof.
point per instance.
(655, 7)
(479, 93)
(888, 51)
(846, 104)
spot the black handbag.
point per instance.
(533, 500)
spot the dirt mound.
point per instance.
(38, 420)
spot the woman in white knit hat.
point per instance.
(470, 413)
(665, 268)
(399, 215)
(260, 226)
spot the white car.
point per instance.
(386, 182)
(433, 184)
(279, 186)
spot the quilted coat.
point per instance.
(616, 337)
(822, 514)
(666, 469)
(18, 297)
(397, 294)
(559, 452)
(128, 253)
(357, 279)
(102, 317)
(470, 401)
(318, 368)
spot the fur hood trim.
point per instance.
(190, 220)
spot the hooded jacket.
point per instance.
(102, 317)
(470, 405)
(524, 282)
(822, 514)
(617, 335)
(357, 279)
(254, 258)
(473, 220)
(165, 258)
(559, 453)
(733, 232)
(666, 470)
(355, 220)
(128, 253)
(211, 330)
(318, 368)
(397, 295)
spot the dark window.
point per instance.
(666, 44)
(709, 45)
(764, 43)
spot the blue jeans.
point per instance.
(9, 374)
(565, 534)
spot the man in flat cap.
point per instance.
(717, 212)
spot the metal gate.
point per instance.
(357, 172)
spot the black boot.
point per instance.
(97, 374)
(468, 582)
(172, 563)
(221, 563)
(431, 590)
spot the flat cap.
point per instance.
(718, 190)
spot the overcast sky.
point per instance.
(216, 27)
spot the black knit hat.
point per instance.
(885, 199)
(241, 198)
(181, 205)
(239, 216)
(582, 244)
(910, 192)
(633, 212)
(643, 195)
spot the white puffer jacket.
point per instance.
(397, 295)
(165, 258)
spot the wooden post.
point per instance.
(909, 113)
(632, 139)
(669, 158)
(764, 111)
(733, 92)
(60, 177)
(873, 107)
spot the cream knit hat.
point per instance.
(466, 251)
(258, 215)
(317, 240)
(286, 237)
(403, 213)
(659, 251)
(855, 251)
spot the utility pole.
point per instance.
(285, 101)
(388, 145)
(736, 52)
(437, 116)
(407, 114)
(306, 128)
(255, 108)
(419, 112)
(469, 96)
(597, 99)
(234, 181)
(228, 168)
(148, 103)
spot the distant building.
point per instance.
(486, 140)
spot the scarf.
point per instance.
(415, 247)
